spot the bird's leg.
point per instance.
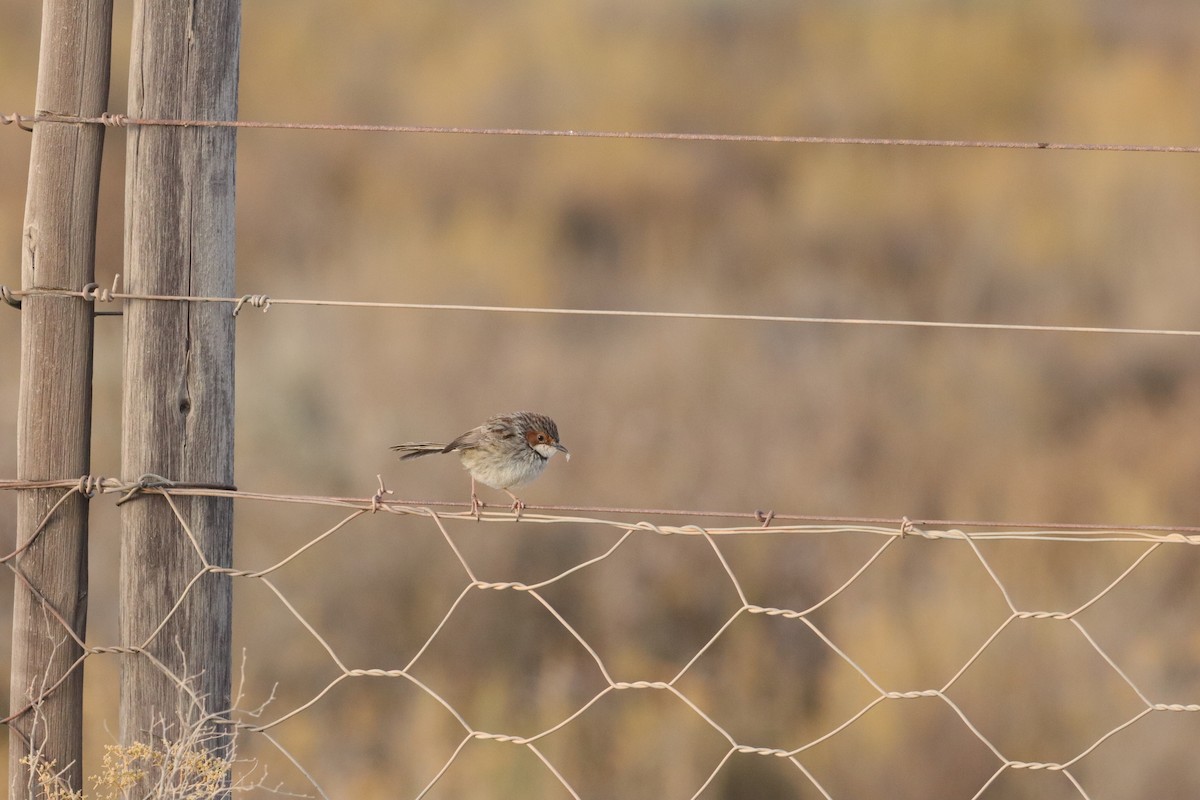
(476, 504)
(518, 504)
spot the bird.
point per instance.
(506, 452)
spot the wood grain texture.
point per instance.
(178, 390)
(54, 405)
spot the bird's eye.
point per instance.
(541, 437)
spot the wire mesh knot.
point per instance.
(641, 685)
(114, 120)
(762, 751)
(115, 650)
(1034, 765)
(501, 585)
(257, 300)
(7, 296)
(1192, 707)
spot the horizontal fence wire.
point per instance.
(797, 756)
(122, 120)
(264, 302)
(902, 526)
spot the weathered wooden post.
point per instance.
(178, 390)
(55, 404)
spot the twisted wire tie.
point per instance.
(151, 481)
(90, 484)
(147, 481)
(93, 291)
(257, 300)
(377, 498)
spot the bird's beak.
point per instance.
(566, 453)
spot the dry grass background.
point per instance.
(804, 419)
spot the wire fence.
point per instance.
(98, 294)
(716, 540)
(802, 759)
(122, 120)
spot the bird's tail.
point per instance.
(416, 449)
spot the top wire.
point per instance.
(122, 120)
(264, 302)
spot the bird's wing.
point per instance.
(468, 440)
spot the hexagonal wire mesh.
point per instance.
(697, 698)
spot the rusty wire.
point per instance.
(892, 534)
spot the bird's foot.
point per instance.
(518, 504)
(477, 506)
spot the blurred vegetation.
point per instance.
(807, 419)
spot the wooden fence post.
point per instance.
(55, 403)
(178, 390)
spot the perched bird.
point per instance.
(507, 451)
